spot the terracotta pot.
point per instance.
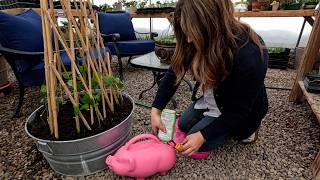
(255, 5)
(264, 5)
(164, 52)
(131, 10)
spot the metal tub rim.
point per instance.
(77, 140)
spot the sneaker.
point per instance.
(251, 139)
(200, 155)
(178, 138)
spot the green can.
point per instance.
(168, 118)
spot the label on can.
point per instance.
(168, 118)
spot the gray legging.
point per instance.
(192, 120)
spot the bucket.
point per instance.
(84, 156)
(3, 71)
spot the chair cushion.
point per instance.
(22, 32)
(110, 23)
(136, 47)
(36, 76)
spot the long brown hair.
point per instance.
(214, 32)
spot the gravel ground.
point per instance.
(287, 144)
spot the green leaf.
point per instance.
(44, 101)
(84, 107)
(58, 100)
(94, 83)
(118, 83)
(76, 110)
(97, 97)
(85, 99)
(109, 80)
(80, 87)
(43, 89)
(67, 75)
(70, 83)
(82, 69)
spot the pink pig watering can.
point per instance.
(142, 158)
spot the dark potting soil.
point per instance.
(67, 126)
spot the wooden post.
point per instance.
(307, 61)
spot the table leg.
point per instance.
(157, 76)
(301, 32)
(155, 81)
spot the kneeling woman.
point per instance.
(229, 61)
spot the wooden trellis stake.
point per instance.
(95, 67)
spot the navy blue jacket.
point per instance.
(241, 97)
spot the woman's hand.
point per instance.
(156, 123)
(192, 143)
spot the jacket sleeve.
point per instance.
(166, 90)
(247, 82)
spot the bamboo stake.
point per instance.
(84, 27)
(98, 46)
(92, 52)
(84, 30)
(113, 93)
(96, 66)
(51, 83)
(69, 94)
(56, 44)
(68, 12)
(74, 75)
(90, 91)
(73, 62)
(47, 74)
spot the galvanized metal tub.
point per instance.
(87, 155)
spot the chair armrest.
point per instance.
(152, 34)
(14, 51)
(111, 37)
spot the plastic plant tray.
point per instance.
(312, 83)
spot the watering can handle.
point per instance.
(142, 136)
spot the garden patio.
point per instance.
(288, 142)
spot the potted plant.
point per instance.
(310, 4)
(264, 5)
(158, 7)
(105, 7)
(85, 116)
(165, 47)
(275, 5)
(278, 57)
(117, 6)
(241, 6)
(291, 4)
(142, 4)
(131, 6)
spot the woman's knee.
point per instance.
(188, 119)
(183, 124)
